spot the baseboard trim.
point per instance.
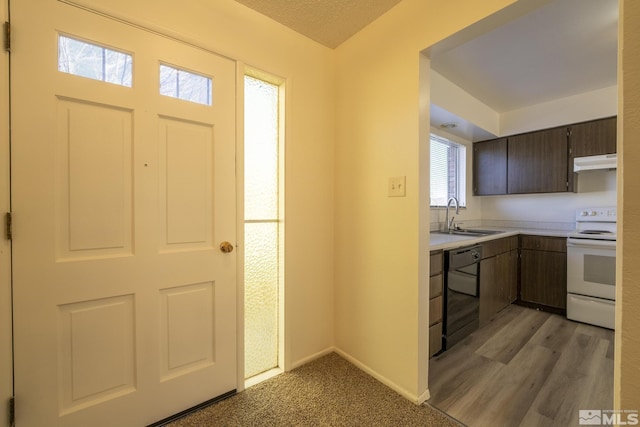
(313, 357)
(424, 397)
(257, 379)
(186, 412)
(384, 380)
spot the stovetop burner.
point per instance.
(595, 232)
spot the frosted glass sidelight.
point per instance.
(261, 150)
(262, 227)
(261, 297)
(94, 62)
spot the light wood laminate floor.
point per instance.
(525, 368)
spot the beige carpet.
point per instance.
(326, 392)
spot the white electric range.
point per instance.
(591, 267)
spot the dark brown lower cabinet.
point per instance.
(536, 278)
(436, 305)
(512, 285)
(498, 276)
(543, 272)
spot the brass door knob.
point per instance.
(226, 247)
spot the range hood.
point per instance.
(592, 163)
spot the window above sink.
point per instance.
(447, 171)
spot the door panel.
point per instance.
(186, 337)
(95, 180)
(124, 305)
(186, 179)
(96, 333)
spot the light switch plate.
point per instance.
(397, 186)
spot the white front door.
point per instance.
(125, 306)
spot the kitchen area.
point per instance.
(522, 319)
(523, 242)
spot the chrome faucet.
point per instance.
(450, 222)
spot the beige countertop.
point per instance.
(452, 241)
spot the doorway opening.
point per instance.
(263, 225)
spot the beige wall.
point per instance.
(562, 111)
(627, 355)
(381, 242)
(229, 28)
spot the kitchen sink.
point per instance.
(470, 232)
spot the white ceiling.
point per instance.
(562, 48)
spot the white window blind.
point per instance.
(447, 171)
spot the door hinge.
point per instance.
(7, 36)
(9, 226)
(12, 411)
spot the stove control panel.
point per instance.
(606, 214)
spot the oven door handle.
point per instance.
(598, 244)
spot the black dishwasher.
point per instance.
(461, 298)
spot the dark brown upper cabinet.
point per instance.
(592, 138)
(541, 161)
(537, 162)
(490, 167)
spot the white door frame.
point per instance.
(240, 71)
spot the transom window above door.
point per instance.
(185, 85)
(93, 61)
